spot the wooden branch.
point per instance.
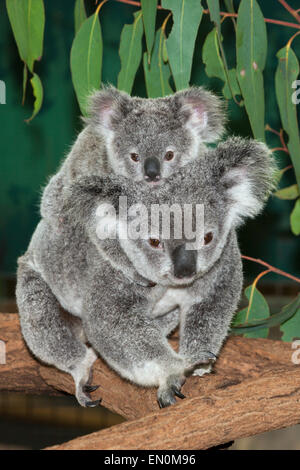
(240, 359)
(269, 402)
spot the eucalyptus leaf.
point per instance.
(157, 75)
(149, 8)
(287, 71)
(291, 328)
(187, 15)
(130, 52)
(287, 312)
(27, 19)
(251, 45)
(256, 311)
(86, 59)
(79, 14)
(214, 66)
(295, 218)
(291, 192)
(229, 6)
(214, 12)
(38, 94)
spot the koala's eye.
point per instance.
(155, 243)
(169, 155)
(135, 157)
(208, 238)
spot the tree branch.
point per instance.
(268, 402)
(240, 359)
(222, 13)
(293, 12)
(275, 270)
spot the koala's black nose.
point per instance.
(152, 169)
(185, 262)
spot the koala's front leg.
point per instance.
(133, 345)
(206, 325)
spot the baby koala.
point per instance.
(112, 315)
(145, 140)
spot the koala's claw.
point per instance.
(93, 404)
(166, 394)
(178, 393)
(90, 388)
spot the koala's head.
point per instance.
(231, 182)
(147, 139)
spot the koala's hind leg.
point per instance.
(49, 334)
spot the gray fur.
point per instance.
(120, 125)
(127, 323)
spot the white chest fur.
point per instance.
(172, 298)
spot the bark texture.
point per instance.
(255, 388)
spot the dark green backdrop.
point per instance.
(30, 153)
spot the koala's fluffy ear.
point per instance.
(203, 112)
(108, 106)
(246, 171)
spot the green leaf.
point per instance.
(27, 19)
(291, 192)
(149, 17)
(251, 48)
(158, 73)
(38, 94)
(86, 59)
(181, 41)
(229, 6)
(259, 310)
(291, 328)
(215, 66)
(287, 312)
(287, 71)
(295, 218)
(164, 51)
(130, 52)
(79, 14)
(214, 12)
(25, 77)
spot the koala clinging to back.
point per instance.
(126, 323)
(144, 140)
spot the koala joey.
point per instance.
(144, 140)
(112, 315)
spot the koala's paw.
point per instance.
(203, 359)
(167, 392)
(83, 391)
(200, 371)
(83, 375)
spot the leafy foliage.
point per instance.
(86, 59)
(258, 309)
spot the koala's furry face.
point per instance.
(231, 183)
(149, 144)
(178, 260)
(147, 139)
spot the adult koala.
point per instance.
(126, 323)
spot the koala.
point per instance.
(145, 140)
(106, 311)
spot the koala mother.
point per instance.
(127, 323)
